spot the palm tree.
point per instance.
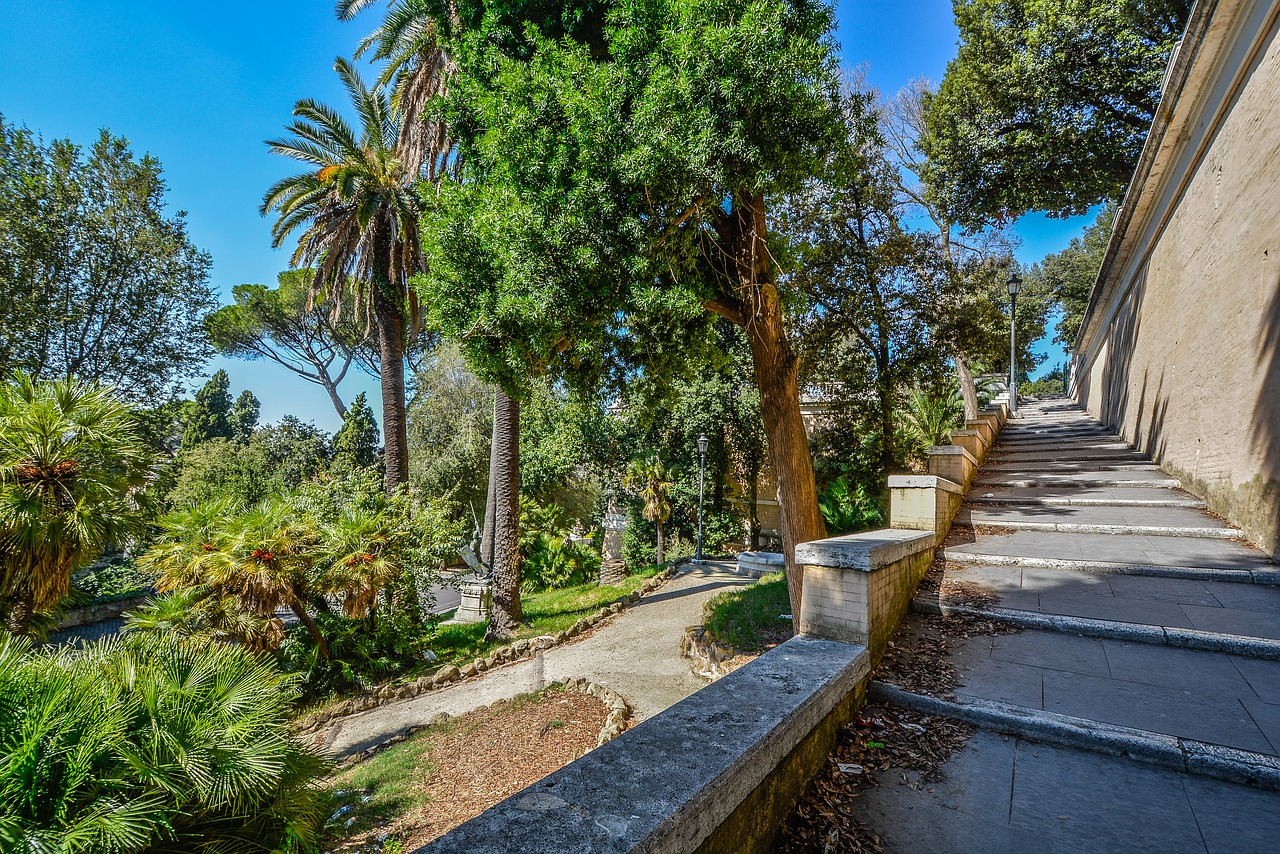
(651, 481)
(359, 215)
(363, 551)
(71, 464)
(930, 416)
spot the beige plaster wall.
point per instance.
(1189, 365)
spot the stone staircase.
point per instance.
(1148, 627)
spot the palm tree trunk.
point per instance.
(662, 551)
(490, 500)
(21, 612)
(506, 614)
(391, 369)
(300, 611)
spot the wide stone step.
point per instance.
(1197, 600)
(1000, 456)
(1196, 552)
(1096, 496)
(1127, 479)
(1174, 753)
(1055, 466)
(1263, 574)
(1100, 443)
(1141, 520)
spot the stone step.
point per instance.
(1183, 755)
(1102, 443)
(1128, 480)
(1000, 455)
(1247, 646)
(1192, 552)
(1050, 466)
(1121, 530)
(1144, 520)
(1068, 501)
(1267, 574)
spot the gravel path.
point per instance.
(637, 654)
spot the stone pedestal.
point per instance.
(477, 602)
(613, 526)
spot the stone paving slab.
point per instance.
(1082, 494)
(1097, 478)
(1160, 551)
(1004, 795)
(1197, 695)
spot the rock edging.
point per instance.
(449, 674)
(614, 725)
(709, 658)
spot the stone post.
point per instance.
(923, 503)
(857, 588)
(953, 462)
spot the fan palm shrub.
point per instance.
(928, 418)
(151, 744)
(71, 468)
(648, 478)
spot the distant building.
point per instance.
(1180, 344)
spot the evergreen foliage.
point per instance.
(243, 417)
(355, 445)
(210, 417)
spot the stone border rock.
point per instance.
(614, 724)
(449, 674)
(709, 657)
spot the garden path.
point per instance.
(636, 653)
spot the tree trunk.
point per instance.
(332, 389)
(486, 533)
(506, 614)
(21, 612)
(662, 549)
(777, 370)
(300, 611)
(391, 368)
(968, 388)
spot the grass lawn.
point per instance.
(545, 613)
(750, 619)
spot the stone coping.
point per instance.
(937, 450)
(924, 481)
(642, 792)
(865, 552)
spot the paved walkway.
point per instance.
(637, 654)
(1067, 521)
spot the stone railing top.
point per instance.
(666, 784)
(964, 433)
(867, 551)
(923, 481)
(769, 558)
(952, 449)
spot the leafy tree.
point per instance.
(620, 177)
(450, 422)
(96, 281)
(152, 744)
(277, 459)
(1047, 104)
(286, 325)
(355, 445)
(210, 417)
(360, 213)
(243, 417)
(1069, 275)
(648, 478)
(71, 466)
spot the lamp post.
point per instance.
(1015, 287)
(703, 442)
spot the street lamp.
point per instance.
(1015, 287)
(703, 442)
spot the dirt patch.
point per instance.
(883, 746)
(412, 793)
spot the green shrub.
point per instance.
(1044, 385)
(151, 744)
(751, 618)
(114, 579)
(848, 508)
(551, 559)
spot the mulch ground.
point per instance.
(483, 757)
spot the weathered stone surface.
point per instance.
(448, 673)
(866, 551)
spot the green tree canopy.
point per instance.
(355, 445)
(209, 417)
(284, 325)
(96, 280)
(243, 417)
(1070, 274)
(1047, 104)
(277, 459)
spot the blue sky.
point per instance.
(201, 85)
